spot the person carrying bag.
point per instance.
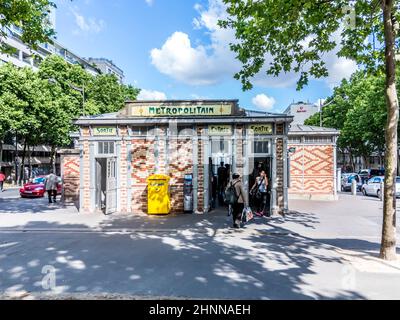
(237, 198)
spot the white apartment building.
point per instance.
(24, 56)
(106, 66)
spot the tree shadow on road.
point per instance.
(218, 263)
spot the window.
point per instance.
(318, 139)
(219, 146)
(261, 147)
(139, 131)
(376, 180)
(295, 139)
(106, 147)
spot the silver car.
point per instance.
(373, 186)
(347, 179)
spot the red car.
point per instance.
(35, 189)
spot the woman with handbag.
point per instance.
(259, 191)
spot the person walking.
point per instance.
(222, 181)
(50, 185)
(260, 192)
(235, 186)
(2, 179)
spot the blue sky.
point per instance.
(174, 49)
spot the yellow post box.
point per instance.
(158, 200)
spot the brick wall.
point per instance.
(70, 175)
(279, 175)
(200, 160)
(239, 150)
(143, 165)
(180, 163)
(123, 171)
(311, 170)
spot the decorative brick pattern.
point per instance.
(200, 187)
(239, 150)
(279, 175)
(143, 165)
(123, 171)
(180, 163)
(71, 178)
(311, 169)
(86, 177)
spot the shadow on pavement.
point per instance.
(230, 263)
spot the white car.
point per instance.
(373, 187)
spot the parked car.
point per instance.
(35, 189)
(367, 174)
(373, 186)
(347, 179)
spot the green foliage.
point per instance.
(284, 35)
(32, 16)
(41, 106)
(358, 110)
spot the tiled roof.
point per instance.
(301, 128)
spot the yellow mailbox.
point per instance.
(158, 200)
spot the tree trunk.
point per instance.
(352, 161)
(388, 242)
(366, 161)
(29, 163)
(22, 167)
(53, 159)
(1, 152)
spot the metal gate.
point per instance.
(111, 194)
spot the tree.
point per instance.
(295, 34)
(357, 108)
(32, 16)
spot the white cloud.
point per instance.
(198, 65)
(150, 2)
(87, 25)
(262, 101)
(151, 95)
(201, 64)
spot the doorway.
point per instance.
(261, 163)
(106, 185)
(220, 169)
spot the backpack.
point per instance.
(230, 195)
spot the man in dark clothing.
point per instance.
(222, 179)
(237, 208)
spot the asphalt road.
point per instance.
(322, 250)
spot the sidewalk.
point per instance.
(320, 250)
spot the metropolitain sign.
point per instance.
(180, 111)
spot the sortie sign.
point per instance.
(180, 111)
(261, 128)
(104, 131)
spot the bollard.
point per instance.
(354, 187)
(339, 179)
(381, 191)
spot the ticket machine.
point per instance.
(188, 193)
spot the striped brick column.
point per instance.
(200, 171)
(238, 156)
(123, 171)
(280, 175)
(86, 172)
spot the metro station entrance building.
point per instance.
(115, 154)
